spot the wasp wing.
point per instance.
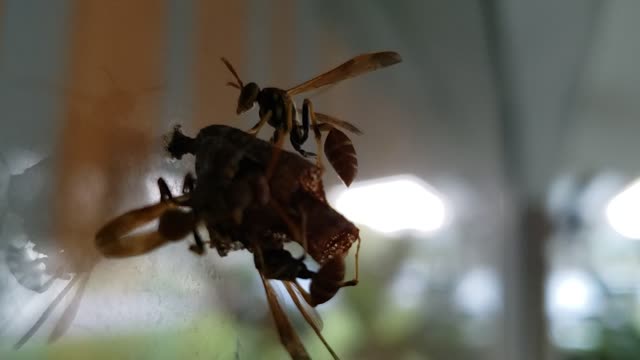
(295, 292)
(72, 309)
(45, 314)
(328, 119)
(310, 315)
(359, 65)
(288, 336)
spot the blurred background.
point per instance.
(497, 194)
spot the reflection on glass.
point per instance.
(576, 334)
(392, 205)
(573, 294)
(622, 211)
(478, 293)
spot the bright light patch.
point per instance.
(573, 294)
(623, 211)
(394, 204)
(479, 293)
(408, 288)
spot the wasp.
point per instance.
(243, 205)
(278, 109)
(38, 261)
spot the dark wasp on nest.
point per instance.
(248, 195)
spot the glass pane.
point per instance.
(489, 195)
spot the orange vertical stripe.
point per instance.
(116, 52)
(221, 30)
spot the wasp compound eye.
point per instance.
(248, 96)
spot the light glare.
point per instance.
(572, 293)
(478, 293)
(623, 212)
(393, 204)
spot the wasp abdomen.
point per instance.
(342, 155)
(327, 281)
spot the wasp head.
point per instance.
(248, 95)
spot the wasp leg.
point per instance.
(198, 247)
(188, 185)
(297, 138)
(112, 240)
(263, 120)
(278, 139)
(302, 151)
(355, 280)
(300, 134)
(308, 113)
(165, 193)
(302, 234)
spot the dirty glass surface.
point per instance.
(490, 194)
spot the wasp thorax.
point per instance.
(248, 96)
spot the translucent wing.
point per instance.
(288, 336)
(359, 65)
(72, 309)
(294, 290)
(46, 312)
(327, 119)
(315, 323)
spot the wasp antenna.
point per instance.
(233, 71)
(234, 85)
